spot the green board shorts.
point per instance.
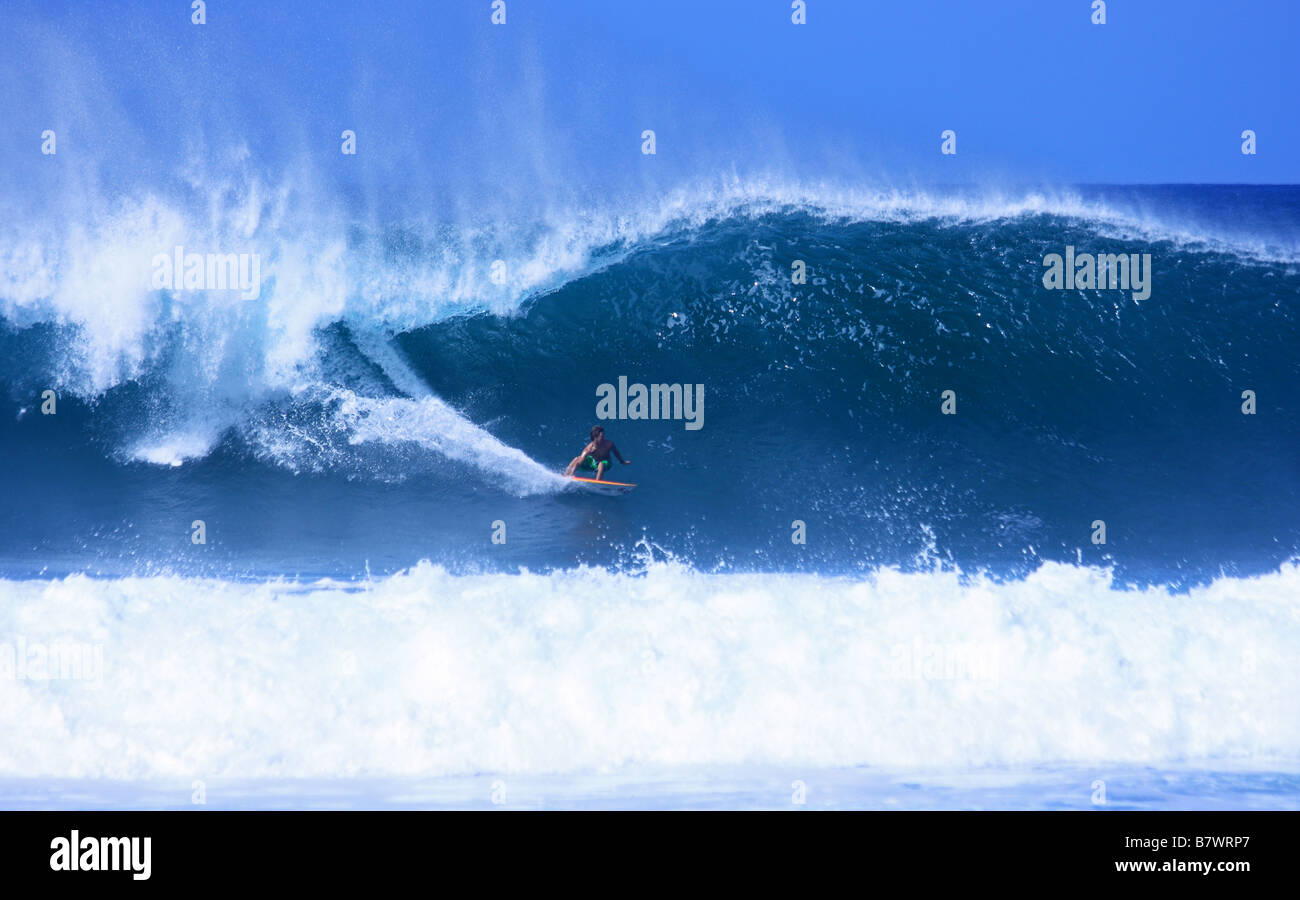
(591, 465)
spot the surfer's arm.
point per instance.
(614, 450)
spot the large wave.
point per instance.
(427, 222)
(415, 353)
(84, 288)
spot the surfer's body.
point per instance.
(595, 456)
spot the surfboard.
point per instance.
(601, 487)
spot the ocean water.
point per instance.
(420, 362)
(1060, 787)
(337, 435)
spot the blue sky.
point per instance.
(1161, 92)
(1034, 91)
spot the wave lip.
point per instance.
(425, 673)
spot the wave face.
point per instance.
(430, 674)
(444, 377)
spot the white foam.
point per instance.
(432, 424)
(174, 449)
(425, 673)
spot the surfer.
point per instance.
(595, 456)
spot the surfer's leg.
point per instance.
(573, 465)
(600, 469)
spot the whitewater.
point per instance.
(427, 674)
